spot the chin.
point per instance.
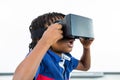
(68, 51)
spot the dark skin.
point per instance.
(85, 61)
(26, 70)
(66, 45)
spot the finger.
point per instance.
(91, 39)
(60, 31)
(81, 39)
(58, 26)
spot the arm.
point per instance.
(85, 61)
(26, 70)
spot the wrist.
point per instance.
(44, 42)
(86, 48)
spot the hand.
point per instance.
(53, 33)
(86, 42)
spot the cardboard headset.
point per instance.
(73, 26)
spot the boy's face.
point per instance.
(64, 45)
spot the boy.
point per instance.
(49, 57)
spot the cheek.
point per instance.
(61, 46)
(58, 46)
(64, 48)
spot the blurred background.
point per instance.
(16, 16)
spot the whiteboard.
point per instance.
(16, 16)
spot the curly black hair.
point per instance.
(40, 23)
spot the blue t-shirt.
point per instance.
(54, 67)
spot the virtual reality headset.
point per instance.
(73, 26)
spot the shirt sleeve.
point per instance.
(40, 69)
(72, 63)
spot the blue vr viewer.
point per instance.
(74, 26)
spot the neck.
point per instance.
(57, 52)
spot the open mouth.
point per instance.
(70, 43)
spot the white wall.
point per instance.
(16, 16)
